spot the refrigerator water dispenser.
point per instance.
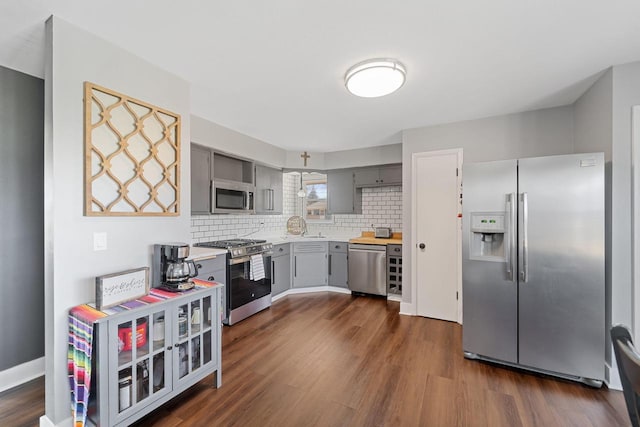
(487, 240)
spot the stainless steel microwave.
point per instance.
(232, 197)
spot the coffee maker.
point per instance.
(171, 270)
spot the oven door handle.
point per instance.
(241, 260)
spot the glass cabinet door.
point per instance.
(142, 362)
(194, 336)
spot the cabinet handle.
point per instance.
(295, 266)
(273, 272)
(329, 264)
(169, 348)
(211, 278)
(199, 266)
(280, 249)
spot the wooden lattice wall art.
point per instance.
(132, 156)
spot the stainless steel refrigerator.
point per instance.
(533, 264)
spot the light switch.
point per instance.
(100, 241)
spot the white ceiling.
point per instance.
(274, 69)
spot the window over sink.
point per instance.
(315, 201)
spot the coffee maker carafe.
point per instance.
(171, 269)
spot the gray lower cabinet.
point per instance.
(269, 191)
(310, 264)
(280, 269)
(341, 192)
(146, 356)
(338, 264)
(201, 176)
(213, 270)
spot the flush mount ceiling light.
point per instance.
(375, 77)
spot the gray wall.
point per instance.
(626, 94)
(22, 218)
(71, 265)
(229, 141)
(529, 134)
(593, 117)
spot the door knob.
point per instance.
(421, 246)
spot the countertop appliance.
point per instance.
(533, 264)
(171, 270)
(383, 232)
(232, 197)
(248, 289)
(368, 268)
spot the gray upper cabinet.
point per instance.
(268, 190)
(378, 176)
(201, 175)
(341, 192)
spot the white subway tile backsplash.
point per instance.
(381, 206)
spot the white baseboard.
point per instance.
(407, 308)
(309, 290)
(613, 376)
(21, 374)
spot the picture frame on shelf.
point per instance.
(116, 288)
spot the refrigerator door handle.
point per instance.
(511, 242)
(525, 238)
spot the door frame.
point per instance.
(413, 242)
(635, 220)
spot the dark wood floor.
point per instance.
(336, 360)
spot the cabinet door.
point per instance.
(338, 269)
(200, 180)
(139, 360)
(268, 190)
(194, 337)
(367, 177)
(391, 175)
(340, 192)
(309, 264)
(281, 274)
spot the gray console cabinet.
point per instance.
(280, 269)
(338, 264)
(201, 176)
(310, 264)
(173, 345)
(269, 192)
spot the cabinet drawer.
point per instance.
(338, 247)
(279, 250)
(209, 265)
(310, 247)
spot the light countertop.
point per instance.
(196, 252)
(368, 238)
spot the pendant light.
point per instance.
(301, 192)
(375, 77)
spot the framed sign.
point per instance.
(116, 288)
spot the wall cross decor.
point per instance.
(132, 156)
(305, 156)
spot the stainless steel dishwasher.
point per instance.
(368, 268)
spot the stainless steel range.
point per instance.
(248, 276)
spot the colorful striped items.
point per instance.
(81, 320)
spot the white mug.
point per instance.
(158, 330)
(195, 316)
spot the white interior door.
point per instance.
(436, 236)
